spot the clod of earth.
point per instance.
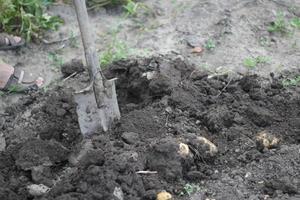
(73, 66)
(40, 152)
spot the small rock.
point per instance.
(193, 40)
(130, 137)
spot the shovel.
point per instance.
(97, 105)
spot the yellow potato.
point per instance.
(164, 196)
(266, 140)
(184, 150)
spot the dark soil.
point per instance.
(179, 104)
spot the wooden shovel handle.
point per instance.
(91, 55)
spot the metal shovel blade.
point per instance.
(92, 118)
(89, 115)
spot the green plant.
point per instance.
(189, 189)
(73, 42)
(291, 82)
(2, 93)
(131, 8)
(295, 22)
(251, 62)
(14, 89)
(117, 50)
(26, 18)
(210, 44)
(279, 25)
(57, 61)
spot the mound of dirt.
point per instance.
(178, 126)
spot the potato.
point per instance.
(266, 140)
(164, 196)
(211, 148)
(184, 150)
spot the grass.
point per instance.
(57, 61)
(252, 63)
(27, 18)
(73, 42)
(189, 189)
(118, 49)
(14, 89)
(282, 25)
(279, 24)
(295, 22)
(291, 82)
(131, 8)
(210, 44)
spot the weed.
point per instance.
(2, 93)
(14, 89)
(295, 22)
(131, 8)
(118, 50)
(210, 44)
(73, 40)
(189, 189)
(26, 18)
(251, 62)
(279, 25)
(291, 82)
(57, 61)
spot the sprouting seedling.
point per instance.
(252, 63)
(14, 88)
(291, 82)
(279, 24)
(131, 8)
(295, 22)
(57, 61)
(73, 40)
(189, 189)
(210, 44)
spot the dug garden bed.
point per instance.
(182, 131)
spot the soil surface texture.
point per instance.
(226, 136)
